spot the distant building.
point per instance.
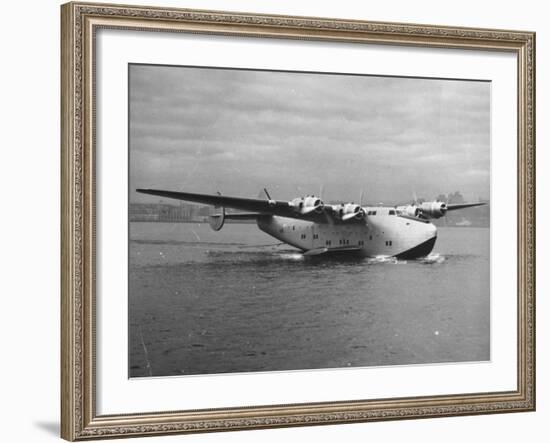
(165, 212)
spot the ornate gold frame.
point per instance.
(79, 420)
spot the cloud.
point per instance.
(237, 130)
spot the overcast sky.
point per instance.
(203, 130)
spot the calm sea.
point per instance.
(237, 301)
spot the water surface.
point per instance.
(238, 301)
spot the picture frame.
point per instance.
(81, 22)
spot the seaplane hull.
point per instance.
(384, 235)
(316, 228)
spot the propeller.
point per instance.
(352, 211)
(270, 201)
(347, 217)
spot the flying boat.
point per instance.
(316, 228)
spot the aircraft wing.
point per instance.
(454, 207)
(258, 206)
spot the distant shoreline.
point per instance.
(239, 222)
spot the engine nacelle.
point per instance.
(308, 204)
(351, 210)
(409, 210)
(433, 209)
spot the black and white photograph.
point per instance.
(243, 222)
(283, 221)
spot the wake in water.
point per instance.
(296, 256)
(434, 258)
(378, 260)
(385, 259)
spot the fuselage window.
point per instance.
(370, 237)
(392, 211)
(293, 227)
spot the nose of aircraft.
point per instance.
(431, 231)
